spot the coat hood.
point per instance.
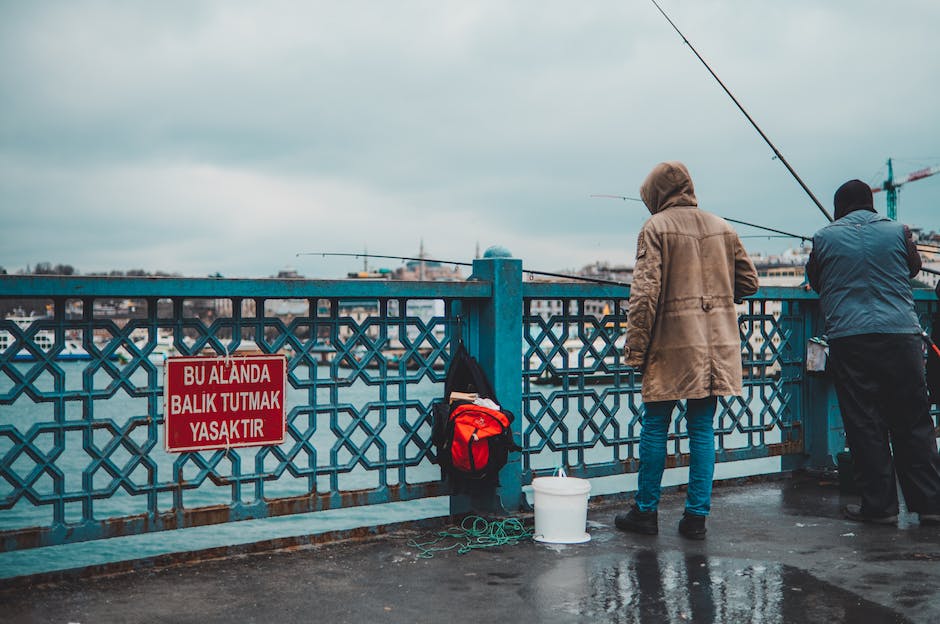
(668, 184)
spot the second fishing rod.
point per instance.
(801, 237)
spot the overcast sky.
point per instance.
(203, 137)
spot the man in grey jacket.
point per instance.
(861, 265)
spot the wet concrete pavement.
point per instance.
(776, 551)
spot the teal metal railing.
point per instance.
(81, 393)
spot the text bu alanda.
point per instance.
(225, 402)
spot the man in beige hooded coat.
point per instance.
(691, 269)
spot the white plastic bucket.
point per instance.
(561, 509)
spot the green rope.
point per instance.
(475, 532)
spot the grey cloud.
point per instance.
(504, 115)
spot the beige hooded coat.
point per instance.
(690, 269)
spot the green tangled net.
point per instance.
(474, 532)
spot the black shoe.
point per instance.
(929, 519)
(854, 512)
(692, 526)
(645, 522)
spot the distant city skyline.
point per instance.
(394, 266)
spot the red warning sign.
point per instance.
(217, 402)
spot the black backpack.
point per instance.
(472, 442)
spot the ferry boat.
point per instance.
(159, 351)
(43, 339)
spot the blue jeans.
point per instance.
(699, 417)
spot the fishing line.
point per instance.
(741, 108)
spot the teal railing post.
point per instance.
(823, 435)
(494, 336)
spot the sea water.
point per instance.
(24, 413)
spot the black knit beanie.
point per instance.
(851, 196)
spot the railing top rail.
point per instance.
(802, 292)
(87, 286)
(576, 290)
(545, 290)
(55, 285)
(924, 294)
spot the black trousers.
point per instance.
(882, 393)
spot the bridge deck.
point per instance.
(777, 551)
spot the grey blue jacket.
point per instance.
(861, 267)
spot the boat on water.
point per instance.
(593, 362)
(156, 351)
(160, 351)
(44, 340)
(164, 347)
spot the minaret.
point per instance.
(421, 265)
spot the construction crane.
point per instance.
(891, 186)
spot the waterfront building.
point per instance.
(929, 255)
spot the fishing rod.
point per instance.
(922, 246)
(754, 225)
(805, 238)
(782, 232)
(749, 118)
(325, 254)
(761, 227)
(759, 131)
(617, 197)
(933, 345)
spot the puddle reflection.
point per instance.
(674, 587)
